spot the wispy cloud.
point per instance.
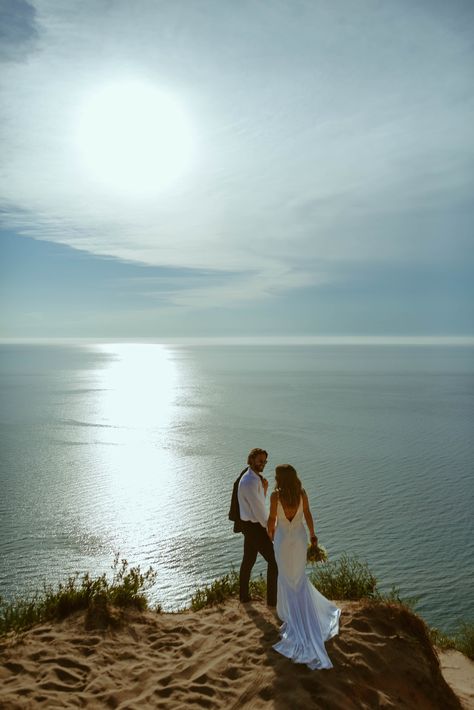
(18, 30)
(323, 135)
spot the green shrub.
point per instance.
(393, 597)
(223, 588)
(465, 639)
(347, 578)
(462, 640)
(440, 639)
(126, 588)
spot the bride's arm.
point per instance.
(272, 517)
(308, 517)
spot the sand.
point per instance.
(223, 658)
(458, 671)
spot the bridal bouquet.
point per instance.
(316, 553)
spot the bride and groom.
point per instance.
(309, 619)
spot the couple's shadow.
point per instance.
(286, 680)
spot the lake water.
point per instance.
(133, 448)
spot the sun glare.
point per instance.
(134, 138)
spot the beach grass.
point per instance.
(350, 579)
(347, 578)
(462, 639)
(126, 588)
(226, 587)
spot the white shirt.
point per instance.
(252, 498)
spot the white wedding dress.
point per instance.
(309, 619)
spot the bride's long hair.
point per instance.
(288, 485)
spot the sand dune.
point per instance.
(223, 658)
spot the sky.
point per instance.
(212, 167)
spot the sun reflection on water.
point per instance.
(137, 390)
(140, 383)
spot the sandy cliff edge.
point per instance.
(223, 658)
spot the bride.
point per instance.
(309, 619)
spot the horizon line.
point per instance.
(459, 340)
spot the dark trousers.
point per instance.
(257, 541)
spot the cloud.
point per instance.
(18, 30)
(323, 136)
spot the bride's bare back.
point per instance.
(290, 512)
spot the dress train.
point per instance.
(309, 619)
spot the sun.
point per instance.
(134, 138)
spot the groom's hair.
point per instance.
(255, 452)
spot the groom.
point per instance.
(253, 514)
